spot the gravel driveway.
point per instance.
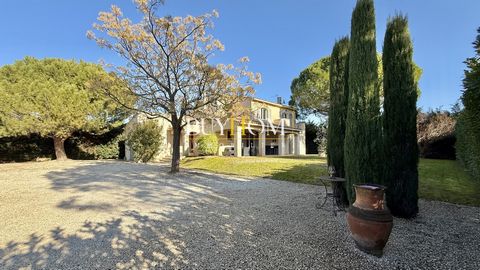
(119, 215)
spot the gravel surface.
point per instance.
(119, 215)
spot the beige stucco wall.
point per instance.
(275, 111)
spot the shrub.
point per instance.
(311, 143)
(145, 140)
(468, 144)
(81, 145)
(25, 148)
(436, 134)
(109, 150)
(207, 145)
(83, 148)
(321, 139)
(84, 145)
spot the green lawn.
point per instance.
(441, 180)
(446, 180)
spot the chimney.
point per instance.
(279, 100)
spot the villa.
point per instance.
(269, 129)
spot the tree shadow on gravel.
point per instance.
(102, 245)
(193, 217)
(150, 219)
(139, 181)
(132, 241)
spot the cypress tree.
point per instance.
(363, 138)
(467, 128)
(399, 123)
(338, 110)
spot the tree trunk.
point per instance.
(177, 131)
(59, 146)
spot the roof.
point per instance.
(274, 104)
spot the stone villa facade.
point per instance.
(259, 134)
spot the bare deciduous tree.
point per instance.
(168, 66)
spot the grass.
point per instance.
(447, 180)
(440, 180)
(303, 169)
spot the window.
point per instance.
(264, 113)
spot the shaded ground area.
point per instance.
(118, 215)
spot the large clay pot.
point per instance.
(369, 220)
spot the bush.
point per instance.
(321, 139)
(436, 134)
(81, 145)
(107, 151)
(207, 145)
(311, 143)
(25, 148)
(468, 144)
(145, 140)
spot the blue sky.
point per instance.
(281, 37)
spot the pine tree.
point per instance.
(399, 123)
(363, 138)
(55, 98)
(338, 109)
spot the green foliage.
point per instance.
(207, 145)
(310, 91)
(25, 148)
(468, 143)
(321, 139)
(145, 140)
(107, 151)
(52, 97)
(81, 149)
(81, 145)
(338, 105)
(400, 120)
(337, 115)
(311, 143)
(468, 125)
(55, 97)
(362, 137)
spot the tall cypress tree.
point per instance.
(338, 110)
(467, 128)
(363, 149)
(399, 123)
